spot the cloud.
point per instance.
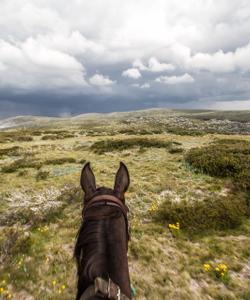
(186, 78)
(29, 65)
(100, 80)
(132, 73)
(52, 47)
(223, 62)
(142, 86)
(153, 65)
(145, 86)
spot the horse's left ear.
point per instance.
(121, 180)
(88, 180)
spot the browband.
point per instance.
(109, 200)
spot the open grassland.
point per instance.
(189, 218)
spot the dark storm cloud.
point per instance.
(72, 57)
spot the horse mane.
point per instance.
(92, 244)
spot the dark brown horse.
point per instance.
(102, 240)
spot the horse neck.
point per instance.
(104, 249)
(117, 254)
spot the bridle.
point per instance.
(108, 200)
(101, 287)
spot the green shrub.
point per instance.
(50, 137)
(101, 147)
(218, 214)
(56, 136)
(183, 131)
(20, 164)
(82, 161)
(223, 158)
(23, 173)
(175, 150)
(24, 139)
(42, 175)
(15, 136)
(12, 151)
(60, 161)
(14, 240)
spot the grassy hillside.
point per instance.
(190, 225)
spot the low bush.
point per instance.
(101, 147)
(12, 151)
(24, 138)
(15, 136)
(175, 150)
(183, 131)
(42, 175)
(60, 161)
(20, 164)
(56, 136)
(209, 214)
(50, 137)
(223, 158)
(14, 240)
(82, 161)
(22, 173)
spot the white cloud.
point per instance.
(135, 85)
(100, 80)
(139, 64)
(223, 62)
(51, 45)
(186, 78)
(142, 86)
(145, 86)
(153, 65)
(32, 66)
(132, 73)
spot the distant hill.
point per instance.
(42, 121)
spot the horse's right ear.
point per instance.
(88, 180)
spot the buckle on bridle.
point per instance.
(118, 293)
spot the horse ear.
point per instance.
(121, 180)
(88, 180)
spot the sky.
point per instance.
(62, 58)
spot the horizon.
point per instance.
(123, 56)
(126, 111)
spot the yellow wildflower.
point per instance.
(207, 267)
(54, 282)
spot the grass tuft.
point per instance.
(223, 158)
(103, 146)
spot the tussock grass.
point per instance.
(60, 161)
(35, 163)
(101, 147)
(15, 136)
(223, 158)
(59, 136)
(11, 151)
(14, 240)
(42, 175)
(20, 164)
(221, 213)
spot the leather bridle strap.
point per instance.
(108, 200)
